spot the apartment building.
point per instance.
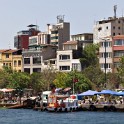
(108, 27)
(11, 58)
(33, 59)
(106, 54)
(68, 58)
(21, 40)
(118, 51)
(60, 32)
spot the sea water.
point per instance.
(29, 116)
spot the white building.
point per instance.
(108, 27)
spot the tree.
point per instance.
(89, 55)
(120, 70)
(61, 79)
(95, 75)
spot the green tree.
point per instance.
(96, 76)
(120, 70)
(89, 55)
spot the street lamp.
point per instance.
(105, 61)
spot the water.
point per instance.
(28, 116)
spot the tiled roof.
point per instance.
(71, 42)
(7, 51)
(1, 51)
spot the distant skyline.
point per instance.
(16, 15)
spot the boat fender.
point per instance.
(65, 109)
(113, 108)
(73, 109)
(106, 108)
(55, 109)
(92, 108)
(76, 108)
(60, 109)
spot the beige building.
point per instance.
(11, 58)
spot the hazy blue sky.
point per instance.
(15, 15)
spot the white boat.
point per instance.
(62, 103)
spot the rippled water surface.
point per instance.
(28, 116)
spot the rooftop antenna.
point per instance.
(122, 12)
(115, 8)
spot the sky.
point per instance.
(16, 15)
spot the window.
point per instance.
(52, 61)
(107, 27)
(107, 55)
(113, 27)
(76, 66)
(19, 62)
(64, 67)
(118, 53)
(7, 55)
(116, 64)
(15, 63)
(119, 28)
(113, 34)
(64, 57)
(27, 70)
(26, 60)
(107, 44)
(10, 64)
(37, 60)
(107, 65)
(36, 69)
(119, 42)
(119, 21)
(119, 34)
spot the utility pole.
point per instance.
(105, 61)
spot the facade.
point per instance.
(66, 61)
(33, 58)
(68, 58)
(108, 27)
(82, 37)
(40, 39)
(21, 40)
(11, 58)
(118, 50)
(59, 33)
(106, 54)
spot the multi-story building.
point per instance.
(60, 32)
(108, 27)
(68, 58)
(21, 40)
(118, 51)
(82, 37)
(40, 39)
(106, 54)
(33, 58)
(11, 58)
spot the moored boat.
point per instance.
(62, 103)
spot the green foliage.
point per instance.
(89, 55)
(61, 80)
(95, 75)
